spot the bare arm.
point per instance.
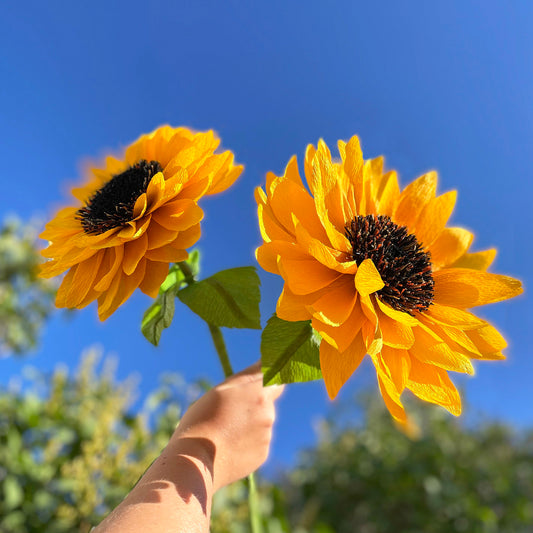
(222, 437)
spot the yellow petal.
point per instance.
(451, 316)
(367, 278)
(395, 334)
(432, 384)
(268, 254)
(477, 260)
(337, 367)
(487, 339)
(414, 198)
(464, 288)
(451, 244)
(433, 218)
(428, 350)
(397, 365)
(353, 167)
(155, 192)
(167, 254)
(388, 194)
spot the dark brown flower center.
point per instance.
(112, 205)
(400, 259)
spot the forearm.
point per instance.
(174, 494)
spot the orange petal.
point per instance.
(64, 288)
(339, 261)
(167, 254)
(432, 384)
(293, 308)
(398, 316)
(271, 229)
(126, 286)
(268, 254)
(83, 280)
(354, 169)
(178, 215)
(367, 278)
(337, 367)
(133, 253)
(451, 244)
(414, 198)
(155, 274)
(306, 276)
(336, 305)
(159, 236)
(289, 199)
(114, 257)
(343, 335)
(187, 238)
(464, 288)
(155, 192)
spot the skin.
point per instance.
(222, 437)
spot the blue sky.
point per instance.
(431, 85)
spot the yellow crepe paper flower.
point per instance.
(135, 215)
(377, 272)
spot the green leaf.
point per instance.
(228, 299)
(289, 352)
(160, 314)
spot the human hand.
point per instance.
(236, 419)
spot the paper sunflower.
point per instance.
(135, 215)
(377, 272)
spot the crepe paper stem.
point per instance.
(220, 347)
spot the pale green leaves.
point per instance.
(229, 298)
(289, 352)
(160, 314)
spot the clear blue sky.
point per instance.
(443, 85)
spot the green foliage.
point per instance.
(289, 352)
(160, 314)
(70, 450)
(373, 479)
(229, 298)
(25, 300)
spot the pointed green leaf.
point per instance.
(228, 299)
(160, 314)
(289, 352)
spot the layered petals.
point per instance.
(135, 215)
(340, 239)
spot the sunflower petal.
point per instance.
(414, 198)
(306, 276)
(367, 278)
(432, 384)
(337, 367)
(465, 288)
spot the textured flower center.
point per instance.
(112, 205)
(402, 263)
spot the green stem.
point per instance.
(253, 504)
(222, 352)
(220, 347)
